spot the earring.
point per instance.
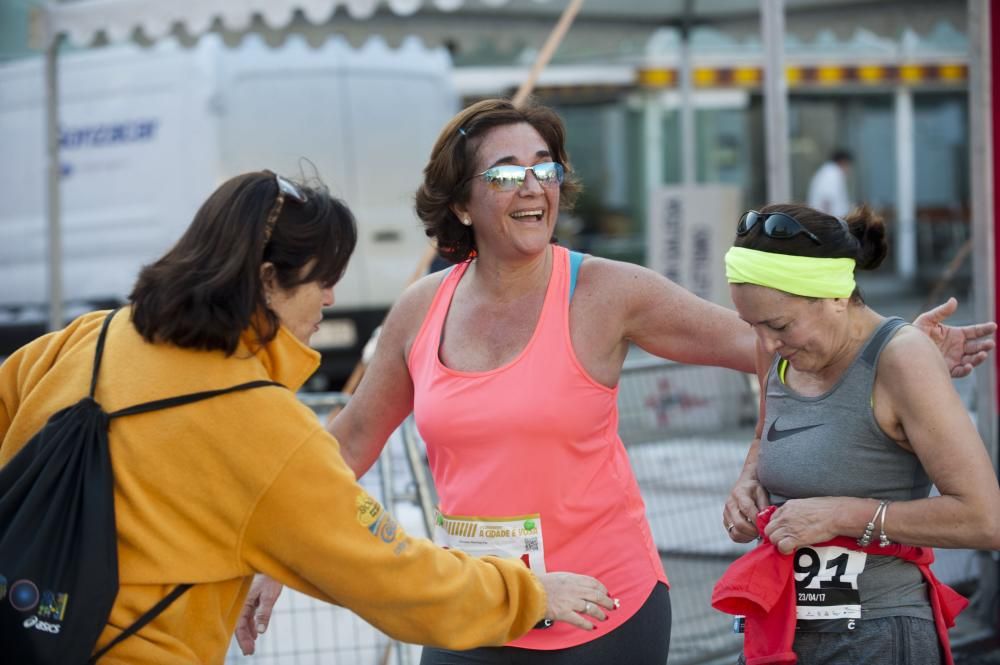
(467, 220)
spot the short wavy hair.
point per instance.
(453, 160)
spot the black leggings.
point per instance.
(642, 640)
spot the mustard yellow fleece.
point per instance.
(249, 482)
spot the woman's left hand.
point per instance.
(963, 348)
(801, 522)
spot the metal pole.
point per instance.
(418, 473)
(772, 27)
(52, 182)
(652, 154)
(688, 130)
(906, 204)
(983, 240)
(548, 50)
(385, 477)
(983, 258)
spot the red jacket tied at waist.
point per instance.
(761, 586)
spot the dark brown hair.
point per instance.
(863, 240)
(207, 289)
(453, 160)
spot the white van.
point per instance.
(147, 134)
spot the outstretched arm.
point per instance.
(671, 322)
(963, 348)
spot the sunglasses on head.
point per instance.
(775, 225)
(286, 188)
(508, 177)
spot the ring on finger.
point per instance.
(586, 607)
(730, 527)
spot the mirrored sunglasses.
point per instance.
(775, 225)
(289, 188)
(286, 189)
(508, 177)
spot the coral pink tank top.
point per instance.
(528, 454)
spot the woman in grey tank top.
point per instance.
(858, 417)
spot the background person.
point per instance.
(828, 190)
(859, 417)
(510, 362)
(211, 492)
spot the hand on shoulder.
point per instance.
(911, 355)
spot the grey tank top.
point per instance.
(831, 445)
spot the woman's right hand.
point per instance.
(256, 612)
(570, 597)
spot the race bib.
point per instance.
(508, 537)
(826, 588)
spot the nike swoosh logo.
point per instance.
(775, 434)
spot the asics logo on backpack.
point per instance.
(34, 622)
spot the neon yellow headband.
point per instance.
(798, 275)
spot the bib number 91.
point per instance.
(826, 588)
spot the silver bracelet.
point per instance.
(866, 538)
(883, 540)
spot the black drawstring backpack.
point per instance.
(58, 542)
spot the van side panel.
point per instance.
(129, 184)
(147, 134)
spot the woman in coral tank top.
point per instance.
(510, 361)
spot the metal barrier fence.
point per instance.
(686, 429)
(306, 631)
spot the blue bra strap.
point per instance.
(575, 259)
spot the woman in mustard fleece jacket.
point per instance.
(212, 492)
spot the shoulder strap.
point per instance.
(575, 259)
(179, 400)
(138, 624)
(145, 407)
(158, 404)
(100, 349)
(777, 368)
(880, 338)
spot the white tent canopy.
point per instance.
(82, 22)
